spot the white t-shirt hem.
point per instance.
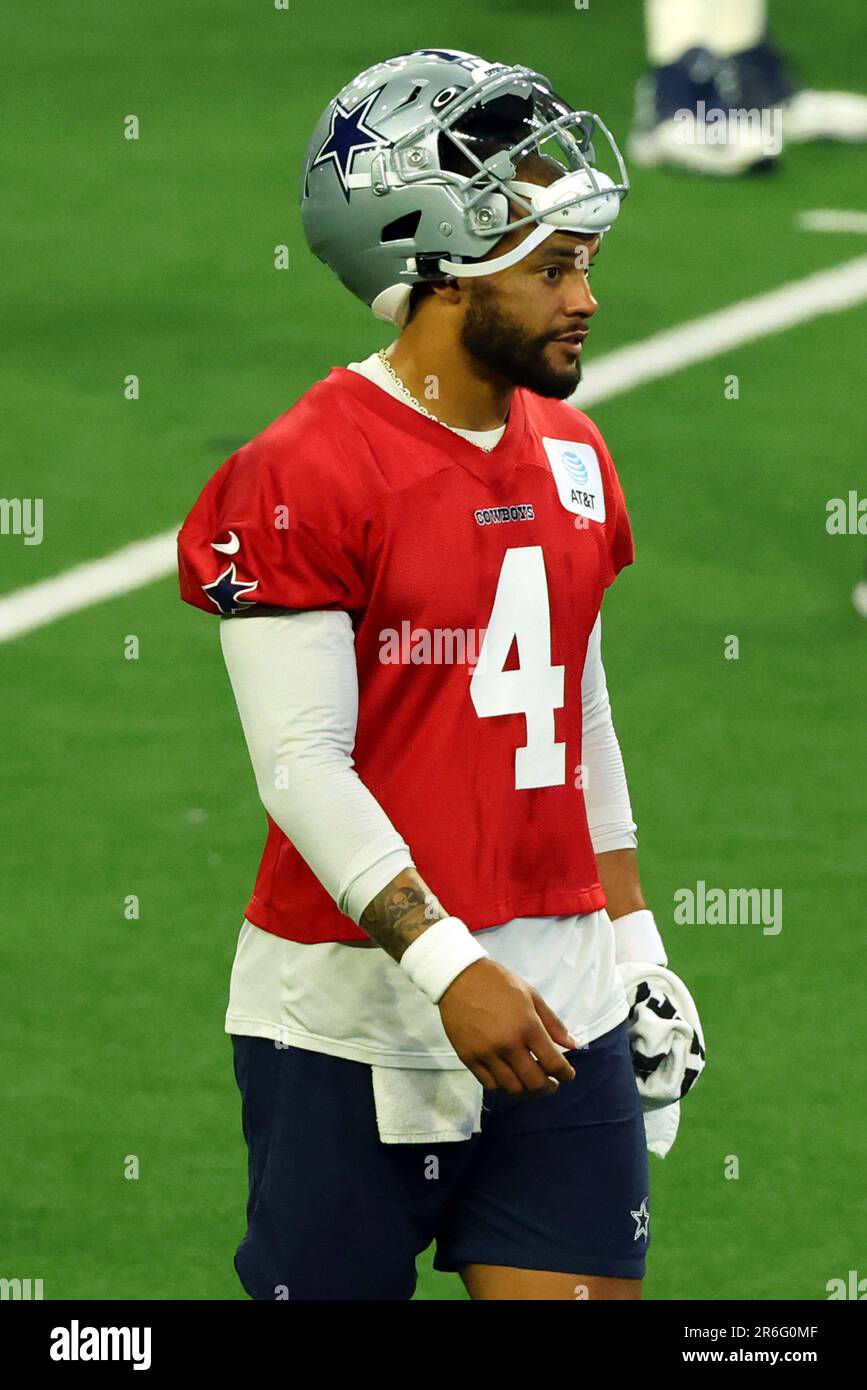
(435, 1059)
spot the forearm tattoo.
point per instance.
(401, 912)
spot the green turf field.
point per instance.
(126, 777)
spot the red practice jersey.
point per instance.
(473, 581)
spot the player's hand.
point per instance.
(504, 1032)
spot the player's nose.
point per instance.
(578, 298)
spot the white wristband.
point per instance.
(439, 955)
(636, 938)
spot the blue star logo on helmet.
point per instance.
(348, 136)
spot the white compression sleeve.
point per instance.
(606, 794)
(296, 687)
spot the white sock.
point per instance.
(672, 27)
(723, 26)
(734, 25)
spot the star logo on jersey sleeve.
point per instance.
(348, 136)
(226, 588)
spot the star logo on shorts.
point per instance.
(641, 1219)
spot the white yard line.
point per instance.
(824, 292)
(832, 220)
(92, 582)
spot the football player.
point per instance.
(430, 1029)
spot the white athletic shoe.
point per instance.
(825, 116)
(683, 145)
(684, 120)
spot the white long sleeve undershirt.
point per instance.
(296, 688)
(606, 793)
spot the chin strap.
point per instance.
(465, 272)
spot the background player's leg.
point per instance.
(500, 1281)
(718, 54)
(672, 27)
(684, 42)
(735, 27)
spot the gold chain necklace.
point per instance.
(407, 394)
(383, 357)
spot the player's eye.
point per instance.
(553, 273)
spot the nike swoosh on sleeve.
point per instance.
(229, 547)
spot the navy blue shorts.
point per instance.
(556, 1182)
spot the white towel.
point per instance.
(416, 1106)
(660, 1128)
(667, 1043)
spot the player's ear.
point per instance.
(448, 291)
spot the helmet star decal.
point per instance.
(348, 136)
(225, 589)
(448, 55)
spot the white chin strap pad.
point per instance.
(557, 209)
(392, 305)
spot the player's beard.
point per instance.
(494, 338)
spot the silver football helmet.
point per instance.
(410, 170)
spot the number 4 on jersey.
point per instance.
(522, 612)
